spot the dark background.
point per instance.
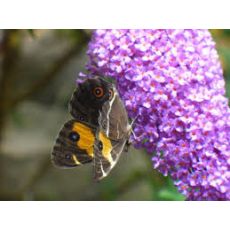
(37, 78)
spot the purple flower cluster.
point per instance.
(172, 81)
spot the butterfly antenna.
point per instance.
(134, 120)
(131, 126)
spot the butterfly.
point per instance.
(99, 130)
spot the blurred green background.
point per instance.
(37, 78)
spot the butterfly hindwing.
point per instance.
(74, 145)
(113, 119)
(107, 153)
(112, 135)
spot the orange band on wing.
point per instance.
(87, 137)
(107, 147)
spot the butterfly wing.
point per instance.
(113, 119)
(84, 105)
(107, 153)
(112, 136)
(78, 110)
(74, 145)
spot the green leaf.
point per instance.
(168, 194)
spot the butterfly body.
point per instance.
(98, 131)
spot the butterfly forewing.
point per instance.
(74, 145)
